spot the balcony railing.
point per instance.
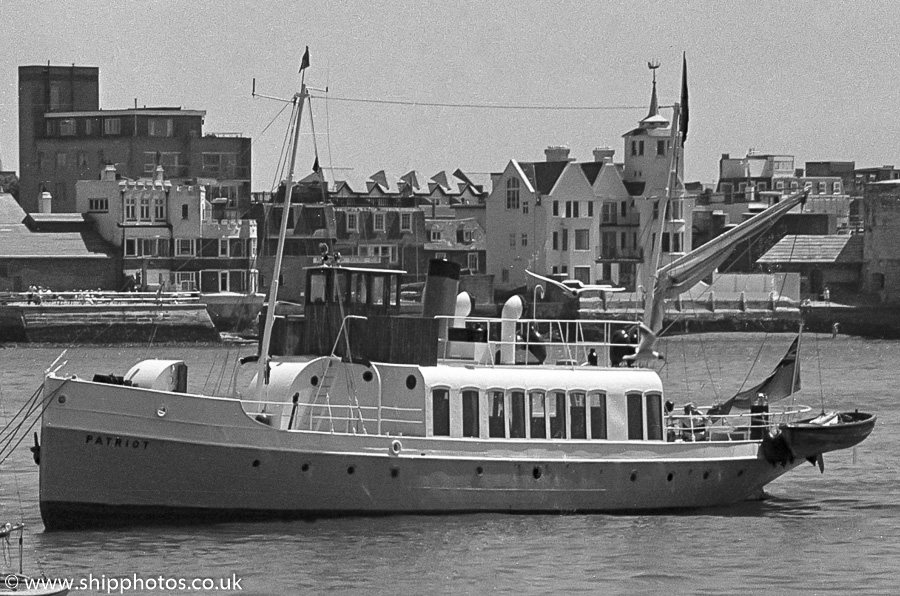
(619, 254)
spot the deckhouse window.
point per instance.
(538, 415)
(497, 418)
(470, 426)
(654, 416)
(517, 414)
(578, 416)
(597, 406)
(557, 412)
(440, 401)
(635, 416)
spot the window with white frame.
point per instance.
(440, 255)
(144, 206)
(186, 281)
(582, 239)
(352, 222)
(387, 251)
(378, 222)
(185, 247)
(129, 209)
(159, 209)
(223, 247)
(836, 187)
(606, 212)
(98, 205)
(525, 207)
(472, 261)
(823, 188)
(436, 235)
(405, 222)
(131, 247)
(512, 193)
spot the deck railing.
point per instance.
(566, 342)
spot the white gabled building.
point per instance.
(594, 221)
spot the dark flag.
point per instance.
(780, 384)
(316, 165)
(684, 100)
(304, 63)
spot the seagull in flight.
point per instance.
(645, 351)
(573, 287)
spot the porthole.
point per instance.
(740, 473)
(255, 463)
(351, 470)
(61, 399)
(411, 382)
(706, 475)
(537, 473)
(314, 381)
(670, 477)
(304, 468)
(368, 376)
(395, 472)
(633, 475)
(479, 470)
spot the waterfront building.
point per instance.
(375, 221)
(61, 252)
(594, 221)
(881, 219)
(170, 235)
(65, 136)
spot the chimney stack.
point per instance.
(557, 153)
(109, 173)
(45, 203)
(604, 154)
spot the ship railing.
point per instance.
(316, 413)
(740, 426)
(97, 297)
(566, 342)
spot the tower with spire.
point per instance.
(648, 161)
(648, 149)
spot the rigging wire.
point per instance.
(479, 106)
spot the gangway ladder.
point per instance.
(327, 380)
(325, 384)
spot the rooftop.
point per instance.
(815, 249)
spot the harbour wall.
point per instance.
(102, 323)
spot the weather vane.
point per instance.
(653, 65)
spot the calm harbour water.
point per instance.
(816, 533)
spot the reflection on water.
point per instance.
(814, 532)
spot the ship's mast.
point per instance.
(263, 376)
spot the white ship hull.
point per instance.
(114, 454)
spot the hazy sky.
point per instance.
(819, 80)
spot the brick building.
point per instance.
(64, 136)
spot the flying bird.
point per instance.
(645, 351)
(573, 287)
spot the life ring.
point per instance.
(396, 447)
